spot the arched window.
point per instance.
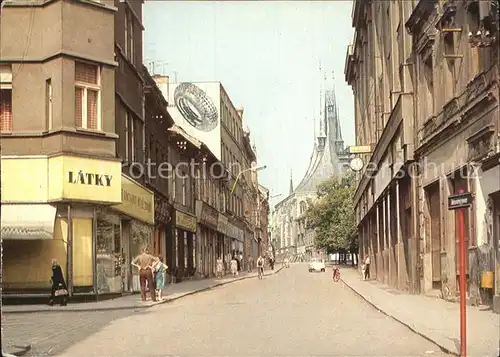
(303, 207)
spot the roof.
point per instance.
(324, 161)
(179, 131)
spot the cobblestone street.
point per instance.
(292, 313)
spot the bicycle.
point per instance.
(261, 272)
(336, 274)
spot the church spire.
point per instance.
(291, 184)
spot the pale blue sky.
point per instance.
(266, 54)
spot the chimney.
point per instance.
(240, 112)
(163, 82)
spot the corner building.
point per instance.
(425, 81)
(66, 186)
(59, 166)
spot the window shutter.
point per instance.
(85, 73)
(6, 110)
(92, 97)
(78, 107)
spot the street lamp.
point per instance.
(255, 169)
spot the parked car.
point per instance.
(317, 264)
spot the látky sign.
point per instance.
(461, 200)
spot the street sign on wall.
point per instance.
(461, 200)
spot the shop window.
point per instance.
(186, 249)
(109, 275)
(83, 272)
(87, 96)
(6, 117)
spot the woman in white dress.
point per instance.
(234, 266)
(220, 267)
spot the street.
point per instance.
(293, 313)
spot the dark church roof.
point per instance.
(324, 161)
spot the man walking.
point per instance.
(260, 267)
(367, 268)
(144, 262)
(250, 263)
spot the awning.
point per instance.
(27, 221)
(180, 131)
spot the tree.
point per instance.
(332, 216)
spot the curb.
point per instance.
(430, 339)
(139, 307)
(17, 351)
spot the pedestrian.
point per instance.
(367, 267)
(260, 267)
(250, 263)
(160, 271)
(234, 266)
(59, 289)
(144, 262)
(219, 267)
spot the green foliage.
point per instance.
(332, 215)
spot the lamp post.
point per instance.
(254, 169)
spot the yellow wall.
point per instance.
(27, 264)
(82, 252)
(47, 179)
(25, 180)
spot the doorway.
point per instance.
(434, 216)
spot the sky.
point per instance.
(267, 55)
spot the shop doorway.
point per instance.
(433, 228)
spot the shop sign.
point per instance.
(228, 229)
(206, 214)
(137, 201)
(185, 221)
(88, 179)
(79, 178)
(162, 210)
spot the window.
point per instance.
(48, 103)
(87, 96)
(184, 189)
(127, 136)
(131, 126)
(174, 186)
(5, 99)
(129, 36)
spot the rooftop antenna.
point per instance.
(175, 76)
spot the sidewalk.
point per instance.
(435, 319)
(172, 292)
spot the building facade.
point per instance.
(74, 213)
(431, 106)
(329, 158)
(220, 130)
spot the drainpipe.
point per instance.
(94, 252)
(69, 253)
